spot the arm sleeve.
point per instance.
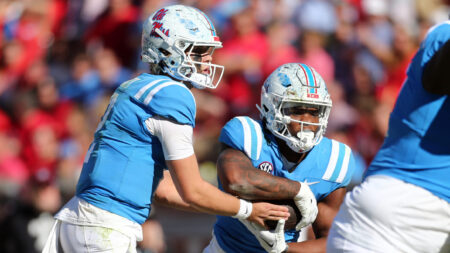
(244, 134)
(436, 74)
(176, 139)
(231, 134)
(173, 101)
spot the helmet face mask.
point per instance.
(169, 38)
(295, 89)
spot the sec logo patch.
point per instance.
(266, 166)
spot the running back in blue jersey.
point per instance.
(125, 162)
(328, 166)
(416, 148)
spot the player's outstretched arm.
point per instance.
(328, 208)
(205, 197)
(239, 177)
(191, 190)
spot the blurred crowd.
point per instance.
(60, 60)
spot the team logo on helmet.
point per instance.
(157, 24)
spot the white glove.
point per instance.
(271, 240)
(307, 205)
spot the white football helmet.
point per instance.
(290, 85)
(171, 35)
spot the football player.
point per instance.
(147, 129)
(283, 156)
(403, 204)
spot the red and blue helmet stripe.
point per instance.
(211, 26)
(310, 78)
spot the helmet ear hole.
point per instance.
(181, 44)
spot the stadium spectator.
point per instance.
(28, 220)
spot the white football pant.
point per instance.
(386, 215)
(66, 237)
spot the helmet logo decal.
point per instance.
(310, 81)
(158, 25)
(266, 167)
(159, 15)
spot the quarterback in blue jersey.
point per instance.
(403, 204)
(279, 157)
(146, 132)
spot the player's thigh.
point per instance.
(75, 238)
(385, 214)
(360, 225)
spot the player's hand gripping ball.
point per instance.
(293, 219)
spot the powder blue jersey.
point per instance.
(417, 146)
(328, 166)
(125, 162)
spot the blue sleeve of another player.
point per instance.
(244, 134)
(173, 102)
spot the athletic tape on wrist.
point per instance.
(245, 209)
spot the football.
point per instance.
(293, 219)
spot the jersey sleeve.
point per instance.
(244, 134)
(340, 165)
(172, 101)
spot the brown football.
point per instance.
(293, 219)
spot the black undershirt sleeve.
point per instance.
(436, 75)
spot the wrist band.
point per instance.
(245, 209)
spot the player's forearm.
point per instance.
(198, 193)
(239, 177)
(209, 199)
(166, 194)
(310, 246)
(258, 185)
